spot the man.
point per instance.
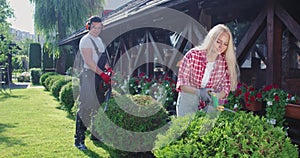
(92, 51)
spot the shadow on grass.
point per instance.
(90, 153)
(5, 97)
(116, 153)
(9, 141)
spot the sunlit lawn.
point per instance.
(31, 125)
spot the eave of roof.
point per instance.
(123, 14)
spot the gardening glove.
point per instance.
(203, 94)
(110, 71)
(105, 77)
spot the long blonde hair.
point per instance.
(230, 56)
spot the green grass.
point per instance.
(32, 125)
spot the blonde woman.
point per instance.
(211, 66)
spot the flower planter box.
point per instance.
(292, 111)
(255, 106)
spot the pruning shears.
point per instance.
(222, 108)
(215, 103)
(108, 94)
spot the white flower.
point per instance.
(131, 85)
(269, 103)
(139, 86)
(293, 98)
(235, 106)
(272, 121)
(174, 102)
(147, 91)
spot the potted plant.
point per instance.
(276, 100)
(292, 108)
(252, 98)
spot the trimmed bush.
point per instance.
(57, 85)
(35, 55)
(50, 80)
(35, 75)
(45, 76)
(66, 97)
(125, 120)
(233, 135)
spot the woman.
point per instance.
(211, 66)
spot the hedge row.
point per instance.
(62, 88)
(238, 134)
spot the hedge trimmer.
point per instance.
(215, 103)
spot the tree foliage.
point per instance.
(61, 17)
(5, 37)
(55, 19)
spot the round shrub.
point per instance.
(66, 97)
(45, 76)
(50, 80)
(132, 122)
(57, 85)
(233, 135)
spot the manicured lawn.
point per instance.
(32, 125)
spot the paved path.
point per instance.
(23, 85)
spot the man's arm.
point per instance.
(88, 59)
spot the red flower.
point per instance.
(142, 74)
(259, 95)
(238, 92)
(252, 98)
(276, 97)
(268, 88)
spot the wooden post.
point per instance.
(274, 44)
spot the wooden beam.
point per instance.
(277, 63)
(270, 41)
(288, 21)
(274, 41)
(251, 36)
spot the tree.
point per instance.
(5, 36)
(57, 18)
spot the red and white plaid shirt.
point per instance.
(192, 68)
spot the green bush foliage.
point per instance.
(45, 76)
(35, 55)
(47, 59)
(233, 135)
(35, 74)
(66, 97)
(125, 121)
(57, 85)
(50, 80)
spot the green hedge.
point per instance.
(45, 76)
(35, 74)
(50, 80)
(57, 85)
(35, 55)
(47, 60)
(233, 135)
(133, 123)
(66, 97)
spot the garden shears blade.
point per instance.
(222, 108)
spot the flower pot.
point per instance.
(292, 111)
(254, 106)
